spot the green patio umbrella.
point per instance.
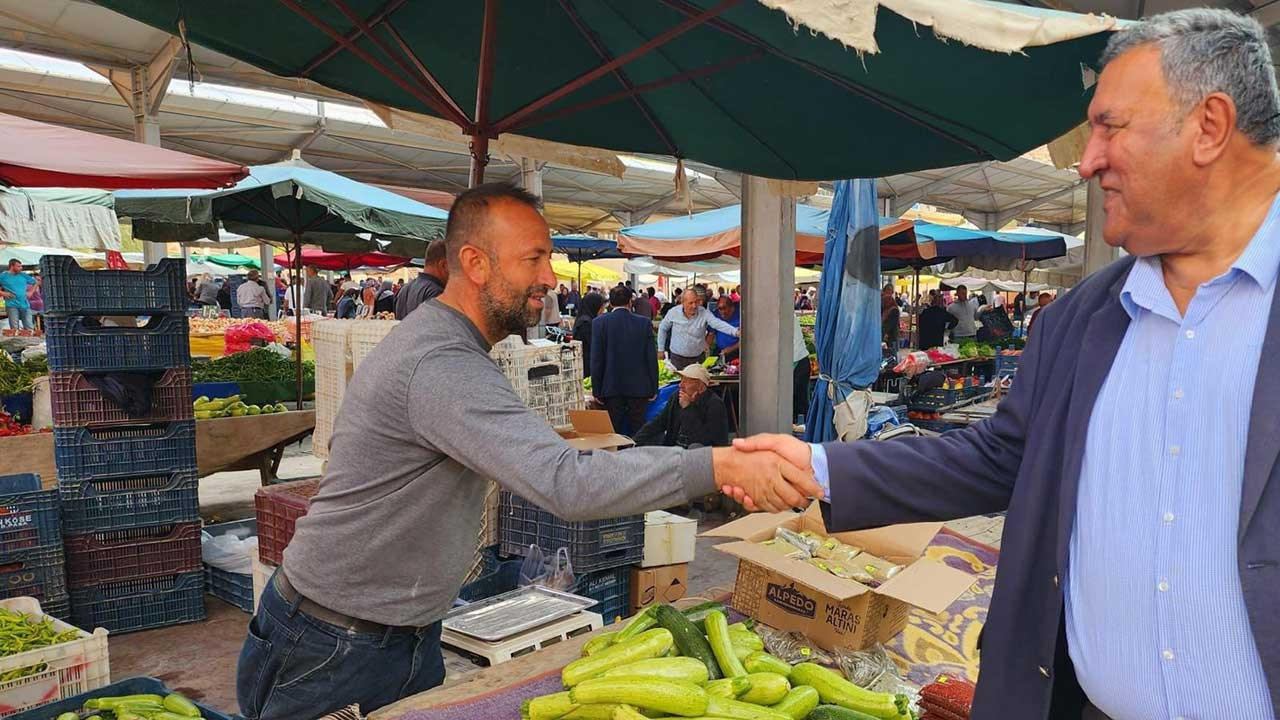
(234, 260)
(823, 90)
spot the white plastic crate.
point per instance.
(365, 336)
(546, 376)
(668, 539)
(262, 573)
(333, 371)
(70, 668)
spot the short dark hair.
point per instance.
(12, 261)
(620, 296)
(1045, 295)
(650, 290)
(728, 299)
(467, 215)
(435, 252)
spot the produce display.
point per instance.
(10, 427)
(256, 365)
(834, 557)
(231, 406)
(662, 664)
(135, 707)
(19, 377)
(219, 326)
(20, 632)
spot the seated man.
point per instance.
(696, 418)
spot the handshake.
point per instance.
(766, 472)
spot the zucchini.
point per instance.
(179, 705)
(598, 643)
(835, 712)
(698, 613)
(731, 688)
(649, 644)
(799, 702)
(668, 696)
(738, 710)
(766, 688)
(638, 623)
(688, 639)
(597, 711)
(835, 690)
(761, 661)
(626, 712)
(746, 638)
(684, 669)
(547, 707)
(718, 637)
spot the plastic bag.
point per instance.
(872, 668)
(554, 571)
(228, 552)
(792, 647)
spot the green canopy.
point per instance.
(824, 90)
(233, 260)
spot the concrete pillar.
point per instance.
(266, 257)
(768, 257)
(1097, 253)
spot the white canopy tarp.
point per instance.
(724, 268)
(26, 220)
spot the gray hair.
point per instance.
(1203, 51)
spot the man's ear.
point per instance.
(1215, 125)
(475, 264)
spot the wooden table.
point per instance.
(249, 442)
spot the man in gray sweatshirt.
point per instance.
(353, 614)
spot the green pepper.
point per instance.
(179, 705)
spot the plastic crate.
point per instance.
(593, 544)
(278, 508)
(333, 371)
(69, 288)
(136, 449)
(938, 426)
(1006, 364)
(77, 402)
(611, 589)
(547, 378)
(130, 686)
(937, 398)
(69, 668)
(131, 553)
(29, 519)
(58, 607)
(39, 573)
(499, 576)
(125, 500)
(232, 588)
(75, 342)
(364, 337)
(139, 604)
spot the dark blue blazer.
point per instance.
(1027, 459)
(624, 358)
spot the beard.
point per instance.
(507, 309)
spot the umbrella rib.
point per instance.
(427, 75)
(374, 20)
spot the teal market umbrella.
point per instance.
(234, 260)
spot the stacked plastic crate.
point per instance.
(126, 477)
(31, 557)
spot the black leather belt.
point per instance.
(333, 617)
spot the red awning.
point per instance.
(341, 261)
(36, 154)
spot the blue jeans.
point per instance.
(20, 318)
(294, 666)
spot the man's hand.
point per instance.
(662, 355)
(794, 451)
(762, 480)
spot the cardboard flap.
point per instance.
(591, 422)
(900, 543)
(928, 585)
(798, 570)
(751, 525)
(600, 442)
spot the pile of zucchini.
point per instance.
(694, 664)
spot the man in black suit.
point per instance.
(624, 362)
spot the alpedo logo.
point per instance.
(792, 600)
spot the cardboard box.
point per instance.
(668, 539)
(791, 594)
(667, 584)
(592, 430)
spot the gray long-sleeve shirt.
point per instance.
(425, 420)
(316, 294)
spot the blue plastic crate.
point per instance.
(1006, 364)
(29, 519)
(140, 604)
(129, 686)
(936, 398)
(593, 545)
(69, 288)
(214, 390)
(78, 342)
(232, 588)
(39, 572)
(59, 607)
(611, 589)
(126, 500)
(136, 449)
(499, 576)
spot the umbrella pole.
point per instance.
(915, 293)
(297, 315)
(1025, 272)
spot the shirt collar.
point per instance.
(1262, 256)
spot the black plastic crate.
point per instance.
(29, 520)
(140, 604)
(69, 288)
(611, 589)
(39, 573)
(232, 588)
(135, 449)
(593, 544)
(84, 343)
(130, 686)
(126, 500)
(934, 399)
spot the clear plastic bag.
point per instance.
(228, 552)
(549, 571)
(792, 647)
(807, 543)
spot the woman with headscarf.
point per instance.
(590, 308)
(386, 301)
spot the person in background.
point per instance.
(802, 301)
(398, 286)
(965, 310)
(16, 288)
(252, 297)
(801, 370)
(624, 362)
(562, 296)
(654, 303)
(694, 418)
(657, 293)
(1020, 306)
(206, 290)
(349, 302)
(1041, 303)
(36, 300)
(588, 310)
(890, 316)
(640, 306)
(224, 294)
(282, 285)
(368, 297)
(684, 331)
(670, 303)
(726, 344)
(287, 302)
(736, 294)
(551, 310)
(430, 282)
(316, 294)
(935, 321)
(572, 300)
(386, 302)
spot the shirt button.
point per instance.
(1055, 581)
(1175, 450)
(1163, 586)
(1045, 671)
(1167, 654)
(1191, 334)
(1177, 394)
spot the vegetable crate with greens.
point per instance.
(593, 545)
(694, 664)
(263, 375)
(44, 660)
(78, 402)
(138, 698)
(278, 508)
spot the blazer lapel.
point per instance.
(1264, 422)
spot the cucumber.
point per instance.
(688, 639)
(835, 690)
(799, 702)
(668, 696)
(737, 710)
(761, 661)
(718, 637)
(766, 688)
(835, 712)
(684, 669)
(731, 688)
(649, 644)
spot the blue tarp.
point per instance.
(581, 248)
(953, 242)
(847, 334)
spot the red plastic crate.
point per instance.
(77, 403)
(132, 553)
(278, 509)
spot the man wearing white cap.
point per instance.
(695, 418)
